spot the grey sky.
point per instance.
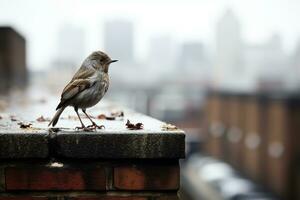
(39, 21)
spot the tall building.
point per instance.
(71, 46)
(294, 65)
(119, 40)
(229, 48)
(69, 55)
(191, 55)
(13, 70)
(273, 58)
(193, 59)
(161, 54)
(295, 58)
(274, 73)
(266, 65)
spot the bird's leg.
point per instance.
(82, 125)
(93, 123)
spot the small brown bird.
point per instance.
(87, 87)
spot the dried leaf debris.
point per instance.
(168, 127)
(23, 125)
(118, 114)
(13, 118)
(113, 116)
(103, 116)
(42, 119)
(132, 126)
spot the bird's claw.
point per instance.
(95, 126)
(101, 127)
(88, 129)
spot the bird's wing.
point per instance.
(79, 82)
(83, 73)
(72, 89)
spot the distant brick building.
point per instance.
(13, 72)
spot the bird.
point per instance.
(86, 88)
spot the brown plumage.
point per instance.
(87, 87)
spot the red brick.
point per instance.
(108, 198)
(169, 197)
(23, 198)
(45, 178)
(2, 184)
(147, 177)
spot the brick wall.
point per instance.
(258, 135)
(90, 180)
(104, 165)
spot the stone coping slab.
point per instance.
(156, 140)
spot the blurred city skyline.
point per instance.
(227, 72)
(181, 21)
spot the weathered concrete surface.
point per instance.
(24, 145)
(120, 145)
(16, 142)
(118, 142)
(115, 141)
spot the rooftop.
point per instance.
(155, 140)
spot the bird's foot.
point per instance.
(95, 126)
(88, 129)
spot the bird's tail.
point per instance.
(56, 116)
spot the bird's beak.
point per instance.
(112, 61)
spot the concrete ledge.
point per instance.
(119, 162)
(24, 145)
(120, 145)
(136, 144)
(154, 141)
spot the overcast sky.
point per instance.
(184, 20)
